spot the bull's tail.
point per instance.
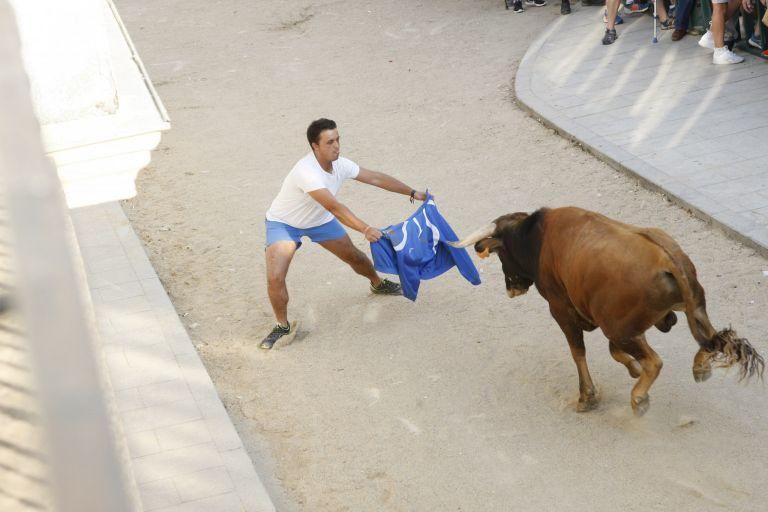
(726, 349)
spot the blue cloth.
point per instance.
(416, 250)
(279, 231)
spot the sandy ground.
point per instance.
(464, 400)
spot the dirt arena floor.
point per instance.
(464, 400)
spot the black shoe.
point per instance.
(610, 36)
(537, 3)
(517, 6)
(387, 287)
(278, 332)
(565, 7)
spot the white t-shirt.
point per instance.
(293, 204)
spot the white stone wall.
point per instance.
(99, 116)
(65, 53)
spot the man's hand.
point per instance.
(372, 234)
(421, 196)
(747, 5)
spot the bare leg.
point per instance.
(345, 250)
(612, 7)
(718, 24)
(279, 256)
(720, 13)
(627, 360)
(662, 11)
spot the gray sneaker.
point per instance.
(387, 287)
(284, 332)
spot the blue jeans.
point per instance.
(683, 14)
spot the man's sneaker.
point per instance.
(707, 40)
(387, 287)
(610, 36)
(284, 332)
(565, 7)
(725, 56)
(517, 7)
(638, 7)
(754, 41)
(537, 3)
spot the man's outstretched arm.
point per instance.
(387, 182)
(344, 214)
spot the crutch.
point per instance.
(655, 18)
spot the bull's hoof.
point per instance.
(640, 405)
(587, 405)
(701, 374)
(634, 369)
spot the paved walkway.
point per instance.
(663, 112)
(186, 455)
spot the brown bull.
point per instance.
(597, 272)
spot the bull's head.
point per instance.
(494, 238)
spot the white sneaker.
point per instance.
(707, 40)
(725, 56)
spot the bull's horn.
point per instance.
(478, 235)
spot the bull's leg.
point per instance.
(627, 360)
(575, 336)
(651, 365)
(587, 394)
(702, 368)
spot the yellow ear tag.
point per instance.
(485, 253)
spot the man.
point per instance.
(714, 38)
(306, 206)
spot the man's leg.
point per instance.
(345, 250)
(682, 13)
(720, 13)
(279, 256)
(612, 7)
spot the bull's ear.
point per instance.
(486, 246)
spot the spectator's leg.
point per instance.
(720, 13)
(718, 23)
(662, 11)
(683, 13)
(612, 7)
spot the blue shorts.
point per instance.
(278, 231)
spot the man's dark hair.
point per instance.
(317, 127)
